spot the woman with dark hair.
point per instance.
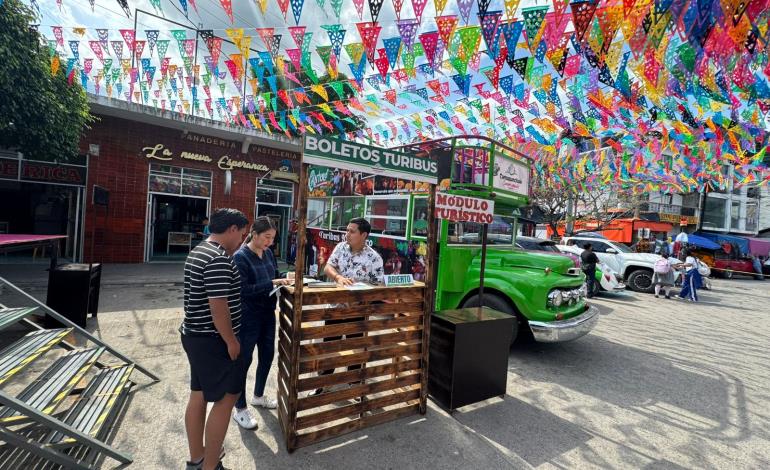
(259, 275)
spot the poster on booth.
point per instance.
(326, 182)
(398, 256)
(510, 175)
(455, 208)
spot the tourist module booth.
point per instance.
(387, 334)
(388, 327)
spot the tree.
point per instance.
(41, 114)
(596, 210)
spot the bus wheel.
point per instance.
(496, 302)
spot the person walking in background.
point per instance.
(664, 274)
(692, 278)
(661, 245)
(259, 276)
(680, 243)
(588, 261)
(212, 319)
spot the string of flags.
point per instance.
(544, 78)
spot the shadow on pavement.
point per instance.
(674, 392)
(532, 434)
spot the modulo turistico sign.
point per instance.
(464, 209)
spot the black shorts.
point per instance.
(211, 369)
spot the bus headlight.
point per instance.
(555, 298)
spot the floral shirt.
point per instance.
(364, 266)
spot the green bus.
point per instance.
(544, 291)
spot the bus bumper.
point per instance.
(565, 330)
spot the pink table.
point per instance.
(17, 242)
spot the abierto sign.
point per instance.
(464, 209)
(326, 151)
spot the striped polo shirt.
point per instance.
(209, 272)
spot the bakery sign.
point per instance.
(225, 162)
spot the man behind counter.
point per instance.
(353, 261)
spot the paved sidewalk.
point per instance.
(35, 276)
(658, 384)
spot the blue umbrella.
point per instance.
(702, 242)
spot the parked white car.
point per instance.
(634, 268)
(607, 278)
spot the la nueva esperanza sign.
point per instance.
(326, 151)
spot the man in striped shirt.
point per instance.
(212, 318)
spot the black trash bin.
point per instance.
(73, 291)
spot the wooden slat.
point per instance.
(283, 348)
(328, 416)
(306, 351)
(431, 270)
(345, 360)
(285, 306)
(335, 313)
(302, 440)
(282, 415)
(357, 391)
(350, 328)
(357, 375)
(284, 320)
(340, 295)
(289, 423)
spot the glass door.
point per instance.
(275, 199)
(178, 201)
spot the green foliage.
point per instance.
(41, 115)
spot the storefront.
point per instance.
(160, 178)
(43, 198)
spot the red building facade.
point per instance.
(151, 185)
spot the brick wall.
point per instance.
(116, 234)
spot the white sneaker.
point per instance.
(264, 402)
(244, 419)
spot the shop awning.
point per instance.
(740, 242)
(702, 242)
(653, 226)
(759, 246)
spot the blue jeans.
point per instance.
(690, 285)
(262, 338)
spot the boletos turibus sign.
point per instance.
(334, 153)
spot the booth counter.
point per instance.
(363, 351)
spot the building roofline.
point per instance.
(102, 105)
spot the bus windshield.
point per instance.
(500, 232)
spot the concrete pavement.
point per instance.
(658, 384)
(35, 276)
